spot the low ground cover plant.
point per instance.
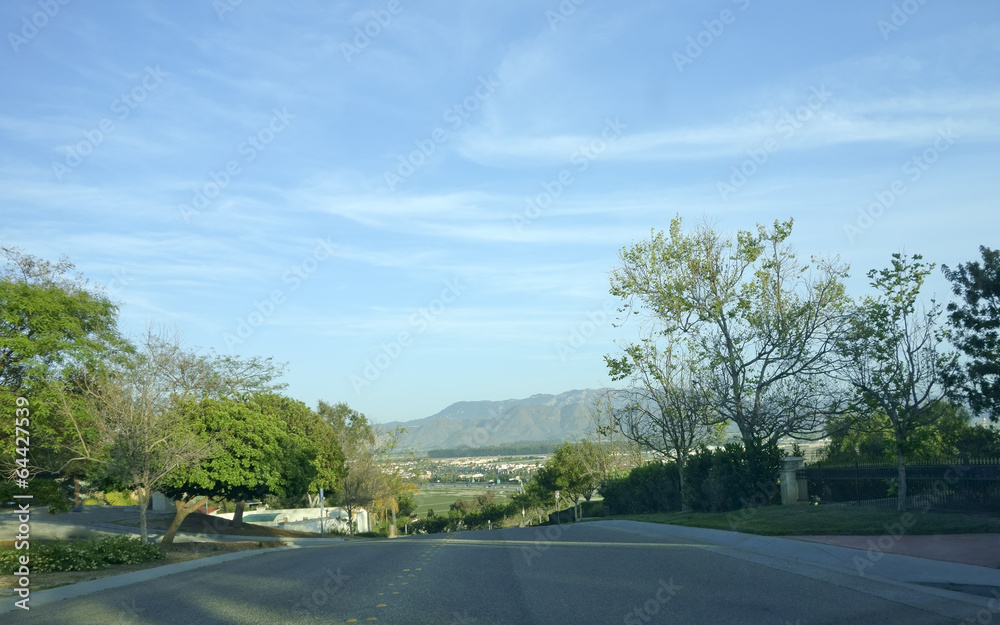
(82, 555)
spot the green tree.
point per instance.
(54, 327)
(761, 323)
(947, 435)
(256, 454)
(568, 472)
(975, 324)
(314, 433)
(893, 356)
(352, 428)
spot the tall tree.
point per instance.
(976, 330)
(665, 409)
(352, 428)
(763, 324)
(54, 326)
(894, 357)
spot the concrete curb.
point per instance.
(53, 595)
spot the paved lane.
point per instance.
(586, 573)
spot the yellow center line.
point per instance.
(572, 543)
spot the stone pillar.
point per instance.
(789, 483)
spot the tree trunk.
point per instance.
(901, 468)
(350, 520)
(680, 473)
(238, 514)
(77, 506)
(183, 510)
(143, 503)
(392, 528)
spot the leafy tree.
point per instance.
(666, 410)
(314, 433)
(53, 327)
(947, 436)
(407, 504)
(50, 322)
(352, 428)
(567, 472)
(894, 359)
(761, 323)
(256, 454)
(976, 330)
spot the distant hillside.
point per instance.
(563, 417)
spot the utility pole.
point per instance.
(321, 515)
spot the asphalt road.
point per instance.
(586, 573)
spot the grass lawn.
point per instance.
(440, 498)
(826, 520)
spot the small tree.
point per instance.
(146, 437)
(362, 485)
(894, 359)
(665, 409)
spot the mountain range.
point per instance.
(563, 417)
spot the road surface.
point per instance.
(607, 572)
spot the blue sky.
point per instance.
(419, 203)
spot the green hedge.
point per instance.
(732, 477)
(726, 478)
(87, 555)
(652, 487)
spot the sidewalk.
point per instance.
(976, 549)
(859, 566)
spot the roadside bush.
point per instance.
(45, 491)
(592, 508)
(120, 498)
(652, 487)
(81, 555)
(431, 524)
(732, 477)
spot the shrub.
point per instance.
(732, 477)
(81, 555)
(45, 491)
(116, 498)
(652, 487)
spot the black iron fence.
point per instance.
(971, 485)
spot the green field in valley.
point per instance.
(440, 498)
